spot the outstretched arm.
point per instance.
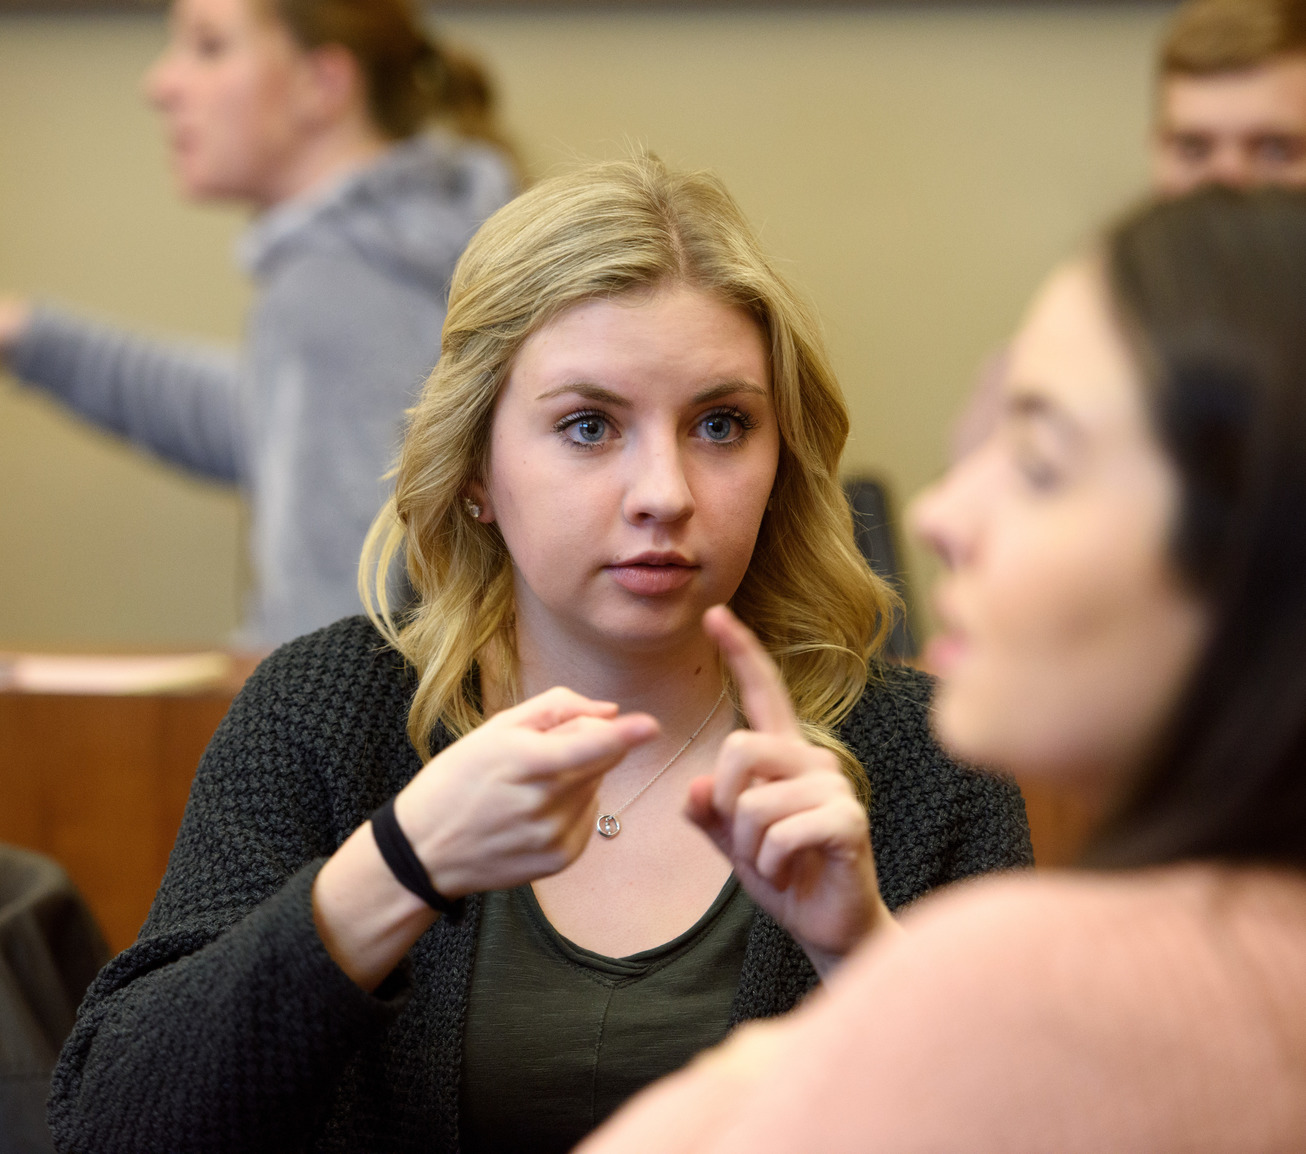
(179, 401)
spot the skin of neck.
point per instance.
(330, 150)
(678, 683)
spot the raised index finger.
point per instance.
(761, 691)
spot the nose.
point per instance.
(160, 81)
(1230, 165)
(945, 516)
(658, 488)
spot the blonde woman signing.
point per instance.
(632, 422)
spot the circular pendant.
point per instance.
(608, 825)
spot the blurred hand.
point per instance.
(516, 799)
(784, 813)
(15, 316)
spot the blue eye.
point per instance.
(726, 426)
(718, 427)
(584, 428)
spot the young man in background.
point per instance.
(1231, 96)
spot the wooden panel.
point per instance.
(99, 783)
(1059, 821)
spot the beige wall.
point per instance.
(917, 170)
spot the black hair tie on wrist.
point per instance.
(397, 852)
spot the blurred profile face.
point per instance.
(632, 454)
(235, 92)
(1241, 129)
(1066, 633)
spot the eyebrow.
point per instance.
(1028, 405)
(603, 396)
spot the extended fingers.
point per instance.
(586, 746)
(552, 708)
(825, 832)
(746, 757)
(762, 691)
(762, 806)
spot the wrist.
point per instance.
(367, 921)
(406, 866)
(826, 959)
(15, 319)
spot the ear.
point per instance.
(481, 495)
(335, 81)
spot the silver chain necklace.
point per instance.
(608, 826)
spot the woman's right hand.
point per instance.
(516, 799)
(512, 801)
(15, 316)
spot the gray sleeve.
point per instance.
(181, 402)
(340, 349)
(227, 1023)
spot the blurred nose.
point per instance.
(1231, 166)
(658, 488)
(160, 81)
(945, 517)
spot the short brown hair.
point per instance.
(1210, 36)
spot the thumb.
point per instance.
(700, 810)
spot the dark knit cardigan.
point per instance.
(227, 1026)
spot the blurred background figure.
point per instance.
(1230, 109)
(1231, 96)
(1124, 606)
(313, 113)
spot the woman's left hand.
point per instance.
(784, 813)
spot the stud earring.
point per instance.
(473, 509)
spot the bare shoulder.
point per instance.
(1061, 1012)
(1129, 938)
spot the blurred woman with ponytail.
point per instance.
(316, 114)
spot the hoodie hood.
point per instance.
(411, 212)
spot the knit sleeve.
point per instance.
(227, 1024)
(933, 820)
(178, 401)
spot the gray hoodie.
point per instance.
(352, 287)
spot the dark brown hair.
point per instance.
(410, 78)
(1211, 36)
(1211, 291)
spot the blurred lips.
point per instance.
(651, 574)
(948, 646)
(181, 142)
(943, 652)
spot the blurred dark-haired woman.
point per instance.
(1124, 607)
(313, 113)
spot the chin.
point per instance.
(650, 628)
(972, 729)
(190, 185)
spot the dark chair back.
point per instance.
(874, 529)
(50, 949)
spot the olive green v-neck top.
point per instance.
(557, 1036)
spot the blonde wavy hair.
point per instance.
(601, 232)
